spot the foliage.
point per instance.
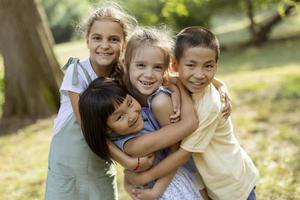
(63, 16)
(264, 85)
(175, 13)
(266, 124)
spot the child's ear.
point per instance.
(87, 42)
(173, 65)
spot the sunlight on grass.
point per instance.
(77, 49)
(264, 84)
(24, 162)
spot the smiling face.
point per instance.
(147, 69)
(197, 68)
(127, 118)
(105, 42)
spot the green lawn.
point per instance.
(264, 84)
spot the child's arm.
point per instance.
(156, 191)
(204, 194)
(168, 135)
(162, 109)
(225, 99)
(128, 162)
(170, 163)
(175, 96)
(74, 98)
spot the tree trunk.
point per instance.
(265, 30)
(250, 13)
(260, 34)
(31, 72)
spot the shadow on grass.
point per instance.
(12, 125)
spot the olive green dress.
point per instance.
(74, 171)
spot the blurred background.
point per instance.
(260, 63)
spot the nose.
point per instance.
(131, 115)
(199, 74)
(148, 72)
(104, 44)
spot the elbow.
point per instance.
(184, 157)
(194, 124)
(135, 150)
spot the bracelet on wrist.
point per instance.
(137, 165)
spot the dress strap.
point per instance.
(76, 63)
(157, 91)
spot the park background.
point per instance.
(261, 70)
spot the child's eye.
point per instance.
(140, 66)
(97, 38)
(158, 68)
(130, 103)
(115, 39)
(119, 117)
(190, 66)
(209, 67)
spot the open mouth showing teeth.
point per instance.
(198, 84)
(146, 83)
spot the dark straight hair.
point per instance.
(96, 104)
(195, 36)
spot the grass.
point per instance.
(264, 85)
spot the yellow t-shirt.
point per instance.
(226, 170)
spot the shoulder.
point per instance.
(161, 101)
(209, 103)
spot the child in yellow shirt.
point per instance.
(226, 171)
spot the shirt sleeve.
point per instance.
(67, 84)
(198, 140)
(120, 141)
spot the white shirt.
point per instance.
(66, 110)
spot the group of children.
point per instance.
(173, 135)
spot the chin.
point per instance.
(145, 92)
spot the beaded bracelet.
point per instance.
(138, 164)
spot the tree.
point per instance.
(31, 72)
(63, 16)
(260, 32)
(174, 13)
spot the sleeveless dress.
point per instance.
(74, 171)
(182, 185)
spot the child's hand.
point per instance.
(129, 188)
(225, 99)
(204, 194)
(175, 96)
(145, 194)
(136, 178)
(145, 163)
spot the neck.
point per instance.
(103, 71)
(142, 99)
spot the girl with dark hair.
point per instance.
(108, 112)
(74, 171)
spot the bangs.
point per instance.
(108, 102)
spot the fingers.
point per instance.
(227, 106)
(135, 194)
(175, 117)
(176, 103)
